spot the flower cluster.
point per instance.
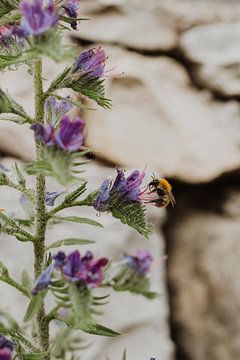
(6, 348)
(139, 263)
(68, 137)
(127, 188)
(132, 274)
(90, 63)
(56, 109)
(5, 35)
(71, 8)
(37, 17)
(75, 268)
(9, 42)
(51, 196)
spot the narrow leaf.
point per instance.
(26, 280)
(124, 355)
(36, 356)
(70, 241)
(75, 194)
(93, 327)
(34, 305)
(81, 220)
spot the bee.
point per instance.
(163, 191)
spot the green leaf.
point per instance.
(34, 304)
(15, 59)
(14, 118)
(91, 88)
(58, 82)
(75, 194)
(7, 5)
(9, 18)
(130, 213)
(8, 105)
(19, 175)
(124, 355)
(35, 356)
(136, 290)
(24, 222)
(55, 163)
(81, 220)
(93, 327)
(3, 270)
(50, 45)
(21, 237)
(69, 242)
(26, 280)
(3, 178)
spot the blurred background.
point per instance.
(174, 78)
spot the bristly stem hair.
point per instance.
(40, 210)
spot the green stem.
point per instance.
(53, 313)
(85, 202)
(40, 211)
(15, 284)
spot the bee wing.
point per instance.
(172, 198)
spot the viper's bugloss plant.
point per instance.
(30, 30)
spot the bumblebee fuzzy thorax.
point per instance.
(162, 192)
(163, 182)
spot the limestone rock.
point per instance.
(16, 140)
(128, 25)
(203, 270)
(139, 319)
(215, 50)
(158, 119)
(189, 13)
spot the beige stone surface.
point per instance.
(150, 25)
(215, 50)
(160, 120)
(203, 275)
(141, 321)
(189, 13)
(128, 24)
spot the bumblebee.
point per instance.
(163, 191)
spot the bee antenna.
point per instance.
(153, 176)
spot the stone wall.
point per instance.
(174, 77)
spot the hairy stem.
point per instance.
(40, 211)
(15, 284)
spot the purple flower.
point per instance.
(44, 280)
(5, 354)
(5, 36)
(6, 348)
(70, 136)
(37, 18)
(127, 188)
(56, 108)
(100, 203)
(50, 197)
(44, 133)
(140, 263)
(71, 8)
(90, 63)
(9, 42)
(83, 269)
(59, 259)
